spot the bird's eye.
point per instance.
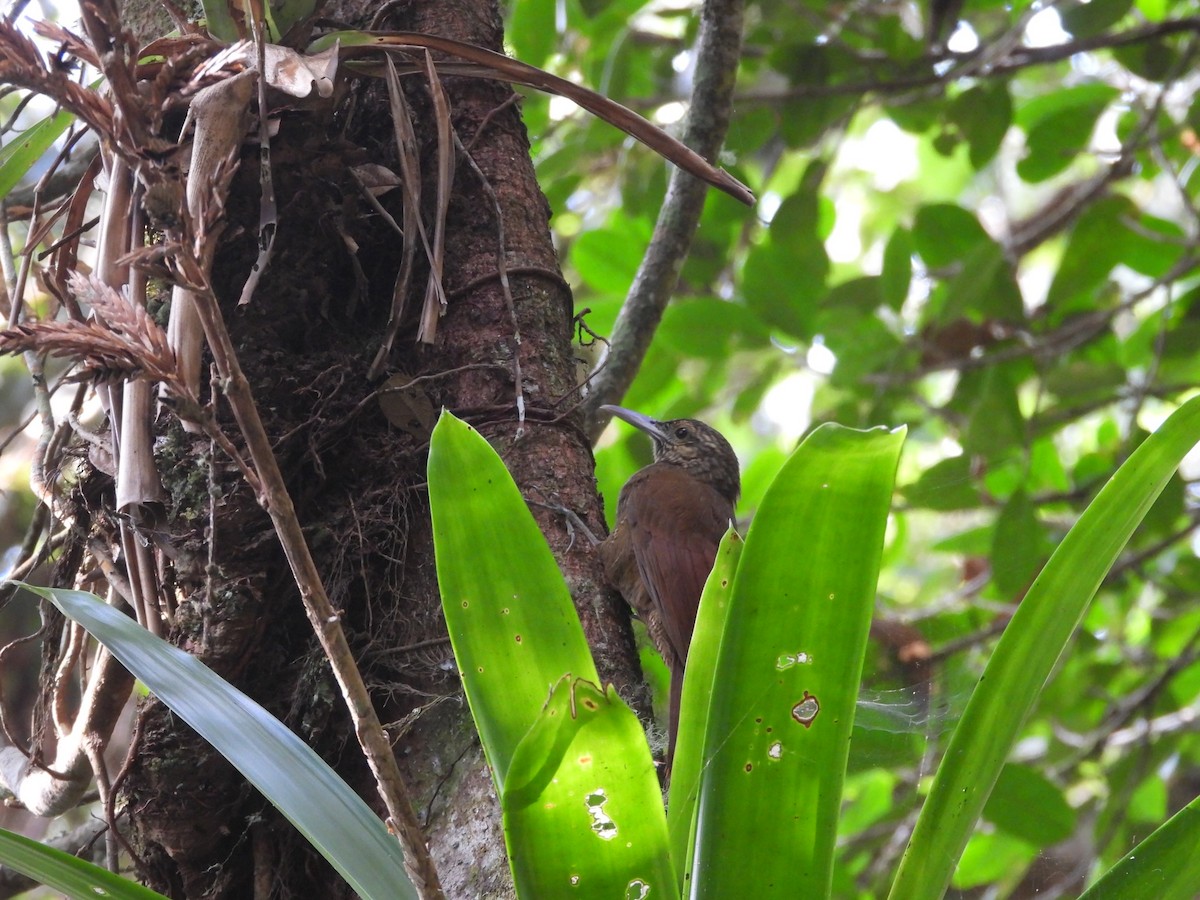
(682, 432)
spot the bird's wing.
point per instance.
(676, 523)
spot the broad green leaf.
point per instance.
(693, 707)
(1164, 866)
(607, 259)
(985, 287)
(788, 668)
(1086, 19)
(76, 878)
(531, 30)
(780, 284)
(982, 115)
(283, 14)
(583, 816)
(512, 624)
(1096, 245)
(1053, 141)
(221, 21)
(296, 781)
(708, 328)
(1017, 547)
(20, 154)
(1027, 651)
(1020, 789)
(896, 277)
(944, 233)
(948, 484)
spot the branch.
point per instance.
(1020, 58)
(718, 50)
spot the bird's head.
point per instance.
(698, 449)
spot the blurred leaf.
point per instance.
(1059, 132)
(531, 30)
(995, 426)
(944, 233)
(709, 328)
(1019, 546)
(945, 485)
(982, 115)
(1154, 60)
(76, 878)
(21, 153)
(1019, 791)
(297, 782)
(991, 857)
(1087, 19)
(986, 287)
(608, 258)
(896, 277)
(1095, 246)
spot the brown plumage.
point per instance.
(671, 516)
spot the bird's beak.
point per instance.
(638, 421)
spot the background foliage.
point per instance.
(994, 245)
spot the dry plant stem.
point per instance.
(325, 620)
(410, 179)
(220, 114)
(45, 791)
(268, 217)
(95, 755)
(435, 295)
(718, 49)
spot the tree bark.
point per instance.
(306, 342)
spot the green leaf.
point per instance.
(896, 277)
(1054, 139)
(20, 155)
(781, 284)
(1026, 653)
(788, 669)
(512, 624)
(583, 818)
(76, 878)
(607, 259)
(985, 288)
(694, 705)
(531, 30)
(1020, 790)
(287, 771)
(1086, 19)
(1096, 245)
(944, 233)
(946, 485)
(982, 115)
(1164, 866)
(1017, 546)
(220, 20)
(708, 328)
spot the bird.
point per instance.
(671, 516)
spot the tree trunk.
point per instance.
(357, 478)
